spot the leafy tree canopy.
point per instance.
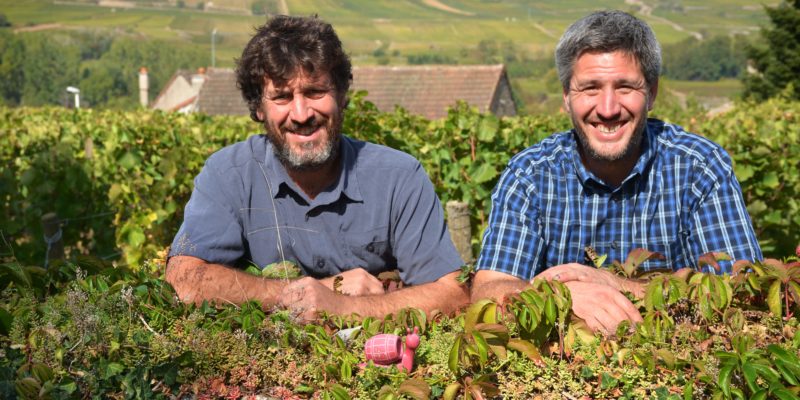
(777, 59)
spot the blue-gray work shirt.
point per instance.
(381, 214)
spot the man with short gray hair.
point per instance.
(615, 182)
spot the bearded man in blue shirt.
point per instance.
(341, 209)
(615, 182)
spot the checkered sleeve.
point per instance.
(720, 222)
(512, 241)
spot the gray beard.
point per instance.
(306, 162)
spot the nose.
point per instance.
(301, 110)
(608, 106)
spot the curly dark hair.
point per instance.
(285, 46)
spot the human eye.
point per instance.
(280, 98)
(589, 90)
(625, 89)
(317, 93)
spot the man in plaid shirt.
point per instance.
(615, 182)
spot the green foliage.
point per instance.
(763, 139)
(119, 181)
(708, 60)
(35, 68)
(776, 59)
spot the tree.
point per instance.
(777, 60)
(48, 68)
(12, 54)
(706, 60)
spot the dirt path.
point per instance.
(444, 7)
(544, 30)
(648, 11)
(36, 28)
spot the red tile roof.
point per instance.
(429, 90)
(219, 94)
(425, 90)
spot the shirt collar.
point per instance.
(644, 161)
(347, 183)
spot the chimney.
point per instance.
(144, 86)
(198, 79)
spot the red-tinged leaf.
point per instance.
(528, 349)
(741, 266)
(487, 388)
(637, 257)
(710, 259)
(776, 268)
(415, 388)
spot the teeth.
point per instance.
(608, 129)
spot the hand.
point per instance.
(581, 273)
(356, 282)
(601, 306)
(306, 297)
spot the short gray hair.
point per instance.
(608, 31)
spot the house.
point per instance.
(428, 90)
(422, 90)
(211, 91)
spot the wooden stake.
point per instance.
(460, 228)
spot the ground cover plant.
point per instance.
(85, 329)
(104, 324)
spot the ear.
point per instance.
(565, 94)
(260, 115)
(651, 98)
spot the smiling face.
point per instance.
(303, 120)
(608, 100)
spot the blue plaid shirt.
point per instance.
(681, 199)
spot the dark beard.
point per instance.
(632, 148)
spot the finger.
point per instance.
(623, 304)
(601, 321)
(559, 274)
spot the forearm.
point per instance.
(196, 281)
(445, 295)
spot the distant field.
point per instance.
(407, 26)
(399, 27)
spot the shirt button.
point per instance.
(614, 245)
(320, 264)
(370, 248)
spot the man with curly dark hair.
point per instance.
(340, 209)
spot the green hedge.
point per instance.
(120, 180)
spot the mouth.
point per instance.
(608, 128)
(305, 131)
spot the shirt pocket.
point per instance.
(371, 250)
